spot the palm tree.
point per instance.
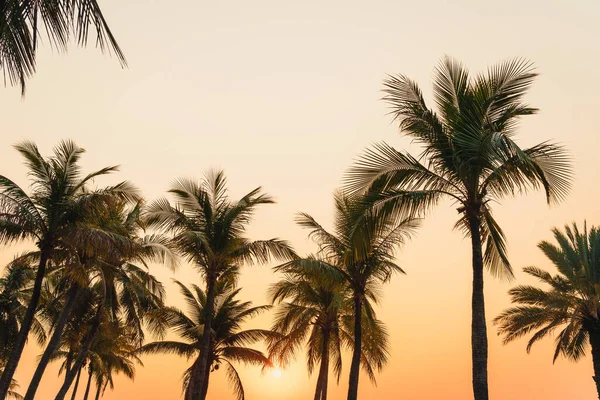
(21, 24)
(569, 303)
(469, 156)
(208, 229)
(319, 314)
(15, 288)
(15, 285)
(47, 217)
(119, 224)
(314, 310)
(360, 252)
(228, 343)
(112, 352)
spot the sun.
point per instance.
(277, 373)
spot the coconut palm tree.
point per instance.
(312, 314)
(360, 252)
(470, 157)
(569, 302)
(15, 289)
(208, 229)
(228, 342)
(112, 352)
(124, 289)
(114, 228)
(317, 312)
(47, 216)
(22, 22)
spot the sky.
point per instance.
(285, 95)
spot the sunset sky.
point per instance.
(285, 95)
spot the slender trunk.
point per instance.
(193, 378)
(479, 343)
(355, 366)
(206, 380)
(98, 390)
(17, 350)
(206, 336)
(321, 392)
(69, 361)
(81, 356)
(63, 318)
(76, 384)
(595, 343)
(89, 384)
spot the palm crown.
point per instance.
(571, 301)
(361, 253)
(469, 152)
(228, 342)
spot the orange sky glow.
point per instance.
(286, 95)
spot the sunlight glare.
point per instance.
(277, 373)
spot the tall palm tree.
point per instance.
(469, 156)
(317, 312)
(312, 314)
(48, 216)
(15, 289)
(228, 343)
(112, 352)
(570, 302)
(115, 228)
(359, 252)
(22, 23)
(208, 229)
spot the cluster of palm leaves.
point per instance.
(88, 297)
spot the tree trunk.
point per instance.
(321, 391)
(595, 343)
(89, 384)
(17, 350)
(206, 380)
(479, 343)
(206, 336)
(355, 366)
(63, 318)
(98, 390)
(81, 356)
(76, 384)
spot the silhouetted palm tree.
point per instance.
(359, 252)
(569, 303)
(469, 156)
(15, 289)
(228, 343)
(48, 217)
(106, 251)
(208, 231)
(22, 22)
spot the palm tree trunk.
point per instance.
(98, 390)
(17, 350)
(479, 343)
(203, 366)
(69, 361)
(355, 366)
(89, 384)
(63, 318)
(321, 391)
(595, 343)
(76, 384)
(206, 380)
(85, 347)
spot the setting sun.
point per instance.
(277, 373)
